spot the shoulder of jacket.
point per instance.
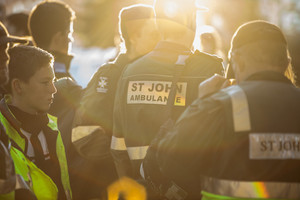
(204, 57)
(108, 67)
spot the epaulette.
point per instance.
(206, 56)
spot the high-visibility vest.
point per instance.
(41, 184)
(13, 181)
(218, 189)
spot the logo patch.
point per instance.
(155, 92)
(102, 84)
(274, 146)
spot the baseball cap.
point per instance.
(6, 38)
(255, 31)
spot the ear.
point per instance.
(16, 86)
(238, 59)
(289, 60)
(57, 38)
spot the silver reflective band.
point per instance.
(175, 193)
(137, 153)
(20, 183)
(240, 109)
(243, 189)
(274, 146)
(142, 173)
(7, 185)
(181, 59)
(68, 194)
(118, 144)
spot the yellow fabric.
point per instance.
(9, 196)
(41, 184)
(61, 155)
(12, 133)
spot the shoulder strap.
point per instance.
(178, 71)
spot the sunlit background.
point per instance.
(97, 41)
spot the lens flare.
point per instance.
(171, 9)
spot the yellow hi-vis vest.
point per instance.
(41, 184)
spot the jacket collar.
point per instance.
(19, 141)
(168, 52)
(63, 58)
(8, 114)
(269, 76)
(121, 60)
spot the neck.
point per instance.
(132, 54)
(185, 40)
(20, 104)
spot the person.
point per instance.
(50, 24)
(136, 27)
(241, 142)
(12, 186)
(211, 41)
(140, 35)
(141, 103)
(16, 24)
(34, 135)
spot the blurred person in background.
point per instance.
(211, 42)
(241, 142)
(140, 36)
(144, 99)
(2, 12)
(38, 151)
(12, 185)
(16, 24)
(51, 27)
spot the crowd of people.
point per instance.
(172, 123)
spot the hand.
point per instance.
(212, 85)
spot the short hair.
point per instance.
(19, 21)
(130, 14)
(48, 18)
(25, 61)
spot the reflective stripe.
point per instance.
(7, 185)
(175, 192)
(118, 144)
(243, 189)
(142, 173)
(137, 153)
(281, 146)
(181, 59)
(240, 109)
(20, 183)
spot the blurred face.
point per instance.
(37, 94)
(4, 58)
(64, 40)
(147, 38)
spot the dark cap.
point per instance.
(255, 31)
(6, 38)
(137, 12)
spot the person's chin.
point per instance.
(44, 109)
